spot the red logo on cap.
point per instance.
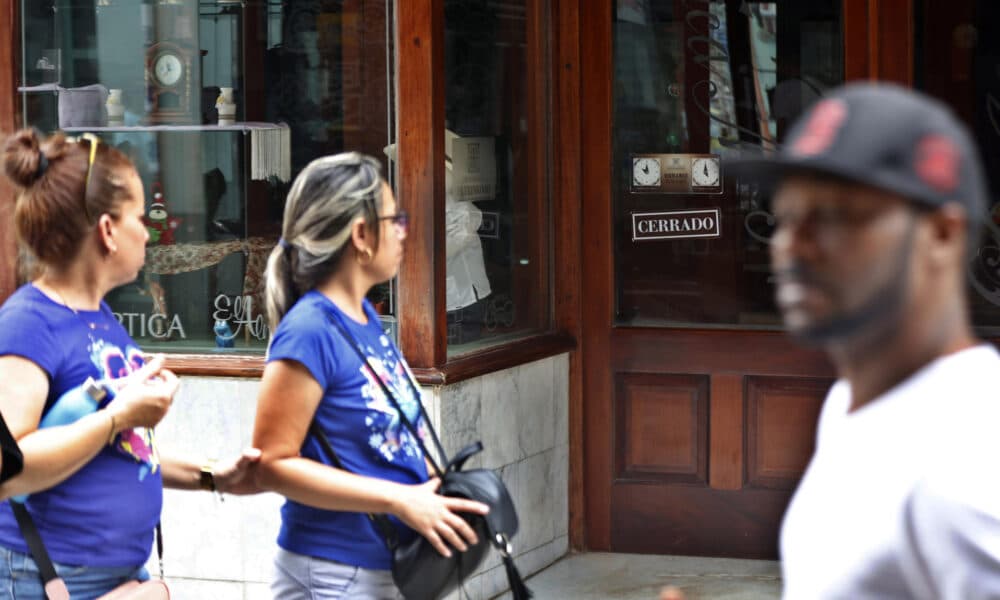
(936, 162)
(824, 123)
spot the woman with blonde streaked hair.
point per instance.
(343, 233)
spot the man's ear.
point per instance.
(949, 234)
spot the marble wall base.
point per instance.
(223, 548)
(520, 415)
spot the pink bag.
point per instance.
(153, 589)
(55, 587)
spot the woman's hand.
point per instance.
(51, 454)
(236, 477)
(145, 396)
(671, 593)
(434, 516)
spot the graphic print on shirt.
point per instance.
(135, 443)
(388, 435)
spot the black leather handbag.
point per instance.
(418, 569)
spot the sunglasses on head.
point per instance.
(94, 141)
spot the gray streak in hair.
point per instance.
(325, 199)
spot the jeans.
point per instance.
(20, 579)
(299, 577)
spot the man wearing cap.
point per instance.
(878, 193)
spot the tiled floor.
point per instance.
(594, 576)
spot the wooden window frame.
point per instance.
(10, 50)
(427, 317)
(420, 142)
(420, 139)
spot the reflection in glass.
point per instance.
(957, 60)
(696, 80)
(220, 104)
(496, 271)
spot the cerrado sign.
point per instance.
(675, 224)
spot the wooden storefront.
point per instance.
(691, 415)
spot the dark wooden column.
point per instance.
(567, 248)
(878, 40)
(9, 61)
(894, 40)
(420, 183)
(366, 87)
(856, 53)
(597, 255)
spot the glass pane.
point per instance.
(958, 61)
(698, 82)
(219, 103)
(497, 196)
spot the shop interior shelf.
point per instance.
(239, 126)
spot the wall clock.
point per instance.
(705, 171)
(173, 83)
(645, 172)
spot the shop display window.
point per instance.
(219, 103)
(696, 84)
(497, 226)
(957, 60)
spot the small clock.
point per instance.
(172, 83)
(705, 171)
(168, 68)
(645, 172)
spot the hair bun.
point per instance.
(23, 160)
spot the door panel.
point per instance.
(699, 413)
(778, 446)
(712, 431)
(663, 499)
(661, 424)
(696, 521)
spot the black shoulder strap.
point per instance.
(34, 541)
(382, 522)
(41, 557)
(395, 403)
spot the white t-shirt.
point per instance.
(902, 497)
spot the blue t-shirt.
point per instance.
(104, 514)
(361, 424)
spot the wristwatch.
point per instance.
(207, 479)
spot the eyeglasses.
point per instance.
(94, 141)
(401, 219)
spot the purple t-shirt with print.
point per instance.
(364, 429)
(104, 514)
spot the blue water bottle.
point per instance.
(75, 404)
(78, 402)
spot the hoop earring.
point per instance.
(368, 254)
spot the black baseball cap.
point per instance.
(885, 136)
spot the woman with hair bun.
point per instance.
(96, 484)
(342, 234)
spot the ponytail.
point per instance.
(325, 199)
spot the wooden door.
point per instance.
(699, 414)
